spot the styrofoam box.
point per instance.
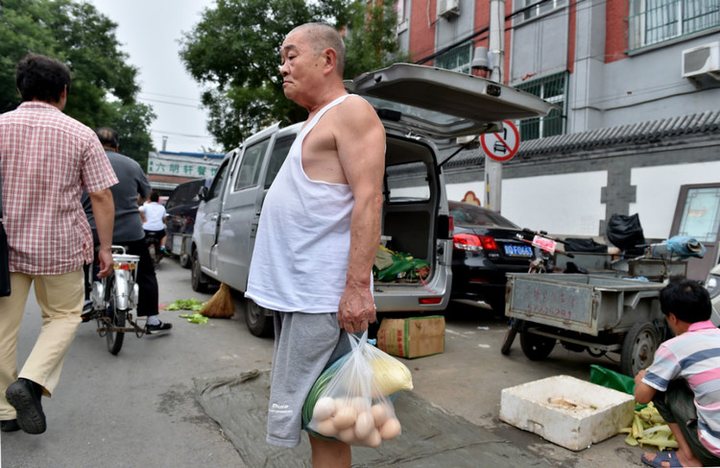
(567, 411)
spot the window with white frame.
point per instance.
(654, 21)
(456, 59)
(536, 8)
(553, 89)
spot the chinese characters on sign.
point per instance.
(182, 165)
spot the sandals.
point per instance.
(661, 457)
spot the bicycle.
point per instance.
(542, 262)
(113, 298)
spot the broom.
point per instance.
(221, 305)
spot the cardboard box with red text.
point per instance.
(412, 337)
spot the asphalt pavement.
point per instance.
(141, 408)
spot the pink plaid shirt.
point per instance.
(47, 158)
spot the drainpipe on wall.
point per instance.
(493, 169)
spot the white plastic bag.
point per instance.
(351, 400)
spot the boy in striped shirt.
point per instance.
(684, 380)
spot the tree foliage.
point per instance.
(234, 51)
(104, 86)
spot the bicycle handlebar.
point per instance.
(543, 234)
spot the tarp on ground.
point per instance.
(431, 437)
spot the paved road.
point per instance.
(138, 409)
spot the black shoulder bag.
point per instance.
(4, 260)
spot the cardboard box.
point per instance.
(567, 411)
(412, 337)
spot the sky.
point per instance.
(149, 31)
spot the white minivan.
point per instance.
(424, 111)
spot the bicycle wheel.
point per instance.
(117, 317)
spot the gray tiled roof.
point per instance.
(636, 134)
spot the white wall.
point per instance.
(658, 189)
(559, 204)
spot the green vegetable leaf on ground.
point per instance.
(195, 318)
(186, 304)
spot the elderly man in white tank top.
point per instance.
(318, 233)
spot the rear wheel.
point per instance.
(535, 347)
(198, 279)
(638, 348)
(258, 322)
(185, 260)
(117, 318)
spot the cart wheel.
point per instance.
(512, 330)
(535, 347)
(638, 348)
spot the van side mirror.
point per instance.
(203, 193)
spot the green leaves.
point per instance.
(235, 51)
(104, 85)
(186, 304)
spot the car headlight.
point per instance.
(712, 284)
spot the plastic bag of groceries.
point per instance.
(352, 400)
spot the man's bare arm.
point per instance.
(103, 208)
(361, 148)
(644, 393)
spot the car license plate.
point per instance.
(518, 250)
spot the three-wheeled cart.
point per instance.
(595, 313)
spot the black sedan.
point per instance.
(486, 246)
(181, 207)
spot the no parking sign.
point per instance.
(503, 145)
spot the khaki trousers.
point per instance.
(60, 298)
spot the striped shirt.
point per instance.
(46, 159)
(695, 357)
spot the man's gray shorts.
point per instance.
(305, 345)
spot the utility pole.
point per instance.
(493, 169)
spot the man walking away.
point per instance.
(46, 160)
(128, 226)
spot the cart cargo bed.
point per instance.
(584, 303)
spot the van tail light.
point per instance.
(473, 243)
(429, 300)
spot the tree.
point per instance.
(371, 42)
(234, 50)
(104, 86)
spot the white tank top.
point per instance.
(303, 243)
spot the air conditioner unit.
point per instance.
(448, 8)
(701, 60)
